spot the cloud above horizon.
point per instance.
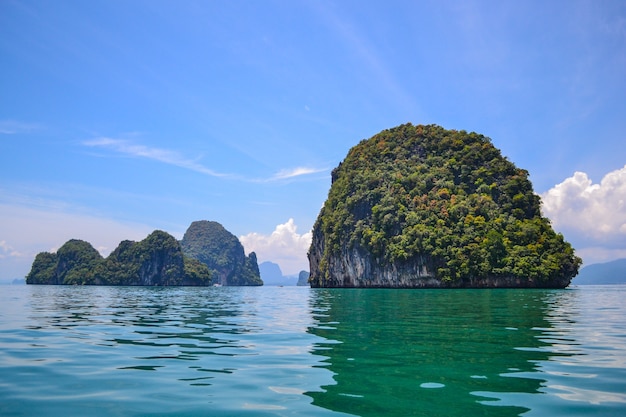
(284, 246)
(12, 127)
(157, 154)
(172, 157)
(7, 250)
(295, 172)
(594, 214)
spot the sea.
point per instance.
(297, 351)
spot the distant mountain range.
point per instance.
(271, 274)
(613, 272)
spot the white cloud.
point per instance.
(162, 155)
(295, 172)
(7, 250)
(172, 157)
(593, 213)
(12, 127)
(284, 246)
(597, 210)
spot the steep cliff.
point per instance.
(156, 260)
(421, 206)
(210, 243)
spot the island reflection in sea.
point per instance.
(299, 351)
(473, 352)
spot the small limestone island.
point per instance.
(207, 255)
(425, 207)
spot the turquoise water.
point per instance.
(270, 351)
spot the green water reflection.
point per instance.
(432, 352)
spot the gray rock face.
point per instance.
(355, 267)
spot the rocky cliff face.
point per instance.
(425, 207)
(355, 267)
(210, 243)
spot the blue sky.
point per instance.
(121, 117)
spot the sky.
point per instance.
(118, 118)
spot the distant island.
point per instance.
(271, 274)
(303, 279)
(422, 206)
(207, 255)
(613, 272)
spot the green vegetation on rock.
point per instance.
(214, 246)
(156, 260)
(421, 206)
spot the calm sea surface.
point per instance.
(270, 351)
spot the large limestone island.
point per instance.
(158, 260)
(425, 207)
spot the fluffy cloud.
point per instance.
(593, 214)
(284, 246)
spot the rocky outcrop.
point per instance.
(155, 261)
(211, 244)
(303, 279)
(425, 207)
(271, 274)
(74, 262)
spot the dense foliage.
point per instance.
(214, 246)
(156, 260)
(415, 191)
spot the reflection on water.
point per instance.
(135, 351)
(465, 352)
(160, 351)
